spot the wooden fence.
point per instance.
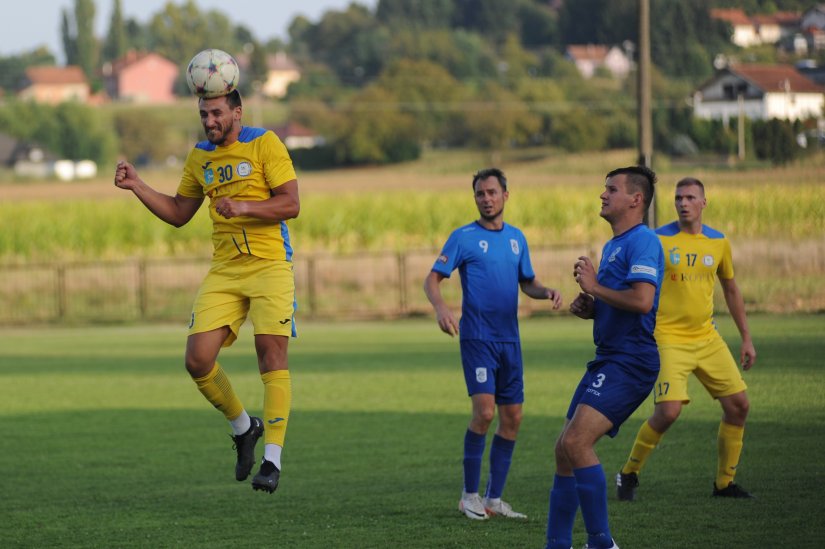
(776, 277)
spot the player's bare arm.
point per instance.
(537, 290)
(176, 210)
(282, 205)
(736, 306)
(444, 316)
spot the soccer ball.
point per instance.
(212, 73)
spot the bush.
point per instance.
(775, 140)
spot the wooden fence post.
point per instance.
(61, 291)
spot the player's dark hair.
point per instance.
(641, 178)
(687, 181)
(233, 99)
(490, 172)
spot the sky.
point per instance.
(33, 23)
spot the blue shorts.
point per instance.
(614, 389)
(493, 367)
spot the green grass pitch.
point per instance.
(107, 443)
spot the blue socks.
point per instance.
(473, 452)
(592, 489)
(587, 488)
(564, 503)
(501, 454)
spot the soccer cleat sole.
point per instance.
(264, 487)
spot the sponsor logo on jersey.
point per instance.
(612, 257)
(643, 269)
(442, 258)
(695, 277)
(192, 321)
(244, 169)
(481, 375)
(284, 321)
(708, 260)
(514, 245)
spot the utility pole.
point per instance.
(644, 100)
(741, 126)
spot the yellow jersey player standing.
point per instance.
(248, 176)
(689, 343)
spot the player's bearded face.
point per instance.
(218, 120)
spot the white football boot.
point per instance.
(472, 507)
(498, 507)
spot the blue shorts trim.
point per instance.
(614, 389)
(493, 367)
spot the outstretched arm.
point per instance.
(176, 210)
(736, 306)
(443, 314)
(536, 290)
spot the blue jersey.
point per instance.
(491, 265)
(624, 336)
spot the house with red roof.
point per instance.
(590, 57)
(141, 77)
(53, 85)
(759, 92)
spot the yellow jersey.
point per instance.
(248, 169)
(692, 262)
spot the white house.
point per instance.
(281, 71)
(589, 57)
(767, 91)
(757, 29)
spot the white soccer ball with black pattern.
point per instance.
(212, 73)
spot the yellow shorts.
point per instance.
(263, 289)
(710, 360)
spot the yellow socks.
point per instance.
(729, 442)
(277, 401)
(646, 441)
(218, 391)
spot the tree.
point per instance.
(376, 131)
(350, 42)
(492, 18)
(498, 119)
(79, 42)
(180, 31)
(775, 140)
(427, 92)
(539, 25)
(70, 130)
(578, 130)
(117, 42)
(415, 14)
(143, 134)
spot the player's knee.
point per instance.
(484, 416)
(561, 456)
(736, 410)
(665, 415)
(198, 366)
(571, 444)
